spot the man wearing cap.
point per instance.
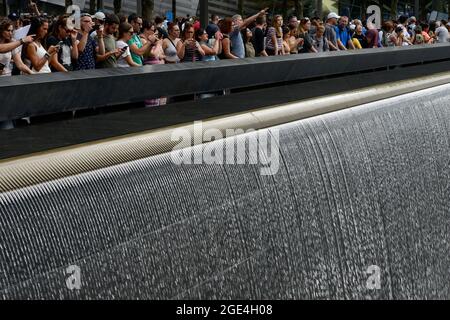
(99, 20)
(14, 17)
(330, 31)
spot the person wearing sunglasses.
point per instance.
(247, 35)
(155, 52)
(125, 34)
(137, 47)
(67, 40)
(88, 47)
(211, 48)
(154, 55)
(191, 51)
(172, 44)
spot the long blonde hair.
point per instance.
(278, 28)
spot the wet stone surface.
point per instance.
(359, 208)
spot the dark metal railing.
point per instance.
(34, 95)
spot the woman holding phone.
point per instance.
(191, 51)
(211, 48)
(39, 58)
(66, 40)
(125, 33)
(172, 45)
(155, 53)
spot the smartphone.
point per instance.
(60, 44)
(124, 49)
(2, 66)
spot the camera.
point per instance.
(96, 27)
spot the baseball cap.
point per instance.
(332, 15)
(99, 16)
(13, 16)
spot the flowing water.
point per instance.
(359, 208)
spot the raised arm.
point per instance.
(37, 62)
(141, 51)
(7, 47)
(251, 19)
(74, 51)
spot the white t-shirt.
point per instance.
(442, 34)
(5, 59)
(40, 51)
(66, 55)
(121, 62)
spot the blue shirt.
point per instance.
(343, 35)
(86, 59)
(237, 43)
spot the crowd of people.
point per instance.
(58, 44)
(108, 40)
